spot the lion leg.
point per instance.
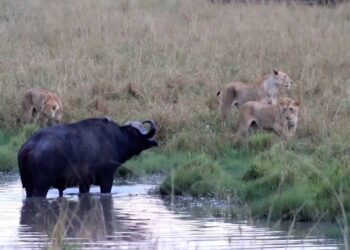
(243, 130)
(59, 117)
(27, 109)
(44, 121)
(228, 97)
(41, 119)
(274, 99)
(224, 111)
(281, 131)
(36, 115)
(28, 114)
(292, 130)
(244, 125)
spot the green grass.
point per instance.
(10, 143)
(279, 182)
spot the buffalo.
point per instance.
(81, 154)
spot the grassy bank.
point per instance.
(282, 181)
(10, 142)
(165, 60)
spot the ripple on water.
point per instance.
(130, 218)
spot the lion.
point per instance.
(281, 118)
(42, 106)
(265, 91)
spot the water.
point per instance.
(130, 218)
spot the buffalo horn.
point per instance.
(152, 129)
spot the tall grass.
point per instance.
(165, 60)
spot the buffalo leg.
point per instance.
(40, 192)
(106, 188)
(29, 192)
(84, 188)
(106, 184)
(60, 191)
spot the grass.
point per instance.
(10, 143)
(166, 60)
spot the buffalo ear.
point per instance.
(107, 119)
(275, 71)
(218, 93)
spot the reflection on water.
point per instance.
(88, 217)
(130, 218)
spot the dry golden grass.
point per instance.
(166, 59)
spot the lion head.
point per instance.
(50, 107)
(283, 79)
(289, 111)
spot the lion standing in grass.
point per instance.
(42, 106)
(265, 91)
(281, 118)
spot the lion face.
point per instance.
(289, 111)
(283, 79)
(50, 108)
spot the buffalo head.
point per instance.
(143, 132)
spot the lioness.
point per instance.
(281, 117)
(42, 106)
(265, 91)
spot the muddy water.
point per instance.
(130, 218)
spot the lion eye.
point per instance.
(54, 107)
(291, 109)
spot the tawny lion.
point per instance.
(265, 91)
(281, 118)
(42, 106)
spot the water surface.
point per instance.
(131, 218)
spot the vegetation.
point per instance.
(165, 60)
(10, 143)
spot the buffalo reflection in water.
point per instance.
(91, 217)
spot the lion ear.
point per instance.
(297, 103)
(218, 93)
(275, 71)
(282, 102)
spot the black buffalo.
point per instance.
(80, 154)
